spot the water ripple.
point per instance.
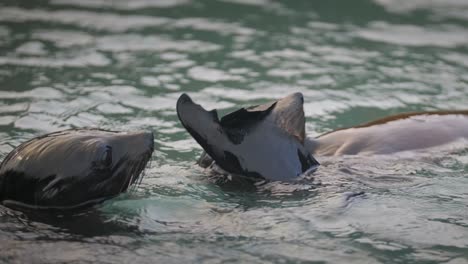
(122, 4)
(411, 35)
(98, 21)
(123, 64)
(118, 43)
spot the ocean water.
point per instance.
(118, 64)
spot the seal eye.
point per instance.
(107, 156)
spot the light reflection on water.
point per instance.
(123, 64)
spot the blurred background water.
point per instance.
(120, 64)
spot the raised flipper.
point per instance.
(251, 141)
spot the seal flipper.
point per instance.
(243, 117)
(204, 160)
(214, 137)
(204, 126)
(237, 123)
(248, 141)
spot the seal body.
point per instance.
(259, 138)
(404, 132)
(73, 168)
(264, 141)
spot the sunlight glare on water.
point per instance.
(121, 65)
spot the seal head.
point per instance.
(264, 141)
(73, 168)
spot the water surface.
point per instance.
(122, 65)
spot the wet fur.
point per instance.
(392, 134)
(46, 173)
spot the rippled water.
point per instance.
(121, 64)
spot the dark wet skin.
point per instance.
(250, 141)
(73, 168)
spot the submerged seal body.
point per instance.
(264, 141)
(73, 168)
(403, 132)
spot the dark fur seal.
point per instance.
(73, 168)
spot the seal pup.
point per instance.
(73, 168)
(264, 141)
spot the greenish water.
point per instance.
(122, 64)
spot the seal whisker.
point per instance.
(143, 164)
(136, 175)
(143, 174)
(127, 182)
(131, 179)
